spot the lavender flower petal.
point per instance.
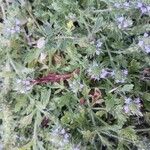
(128, 100)
(126, 109)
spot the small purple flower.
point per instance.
(126, 4)
(17, 22)
(117, 5)
(66, 136)
(106, 73)
(148, 8)
(125, 25)
(137, 100)
(26, 82)
(95, 77)
(112, 73)
(146, 35)
(62, 131)
(120, 80)
(128, 100)
(126, 109)
(147, 48)
(141, 43)
(125, 72)
(144, 47)
(8, 30)
(139, 4)
(23, 86)
(103, 74)
(17, 29)
(98, 43)
(123, 22)
(120, 19)
(143, 9)
(98, 46)
(12, 31)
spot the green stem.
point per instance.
(91, 113)
(36, 22)
(3, 11)
(142, 130)
(110, 56)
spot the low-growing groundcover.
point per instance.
(74, 75)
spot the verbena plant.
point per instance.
(74, 74)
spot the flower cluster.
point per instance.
(143, 8)
(59, 137)
(123, 22)
(98, 44)
(125, 5)
(106, 73)
(96, 73)
(132, 107)
(23, 86)
(15, 28)
(41, 43)
(76, 86)
(93, 71)
(144, 43)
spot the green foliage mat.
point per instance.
(74, 75)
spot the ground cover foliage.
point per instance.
(74, 75)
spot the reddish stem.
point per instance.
(53, 77)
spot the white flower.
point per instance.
(120, 19)
(41, 43)
(42, 57)
(126, 4)
(117, 5)
(128, 100)
(23, 86)
(124, 22)
(145, 35)
(76, 86)
(141, 43)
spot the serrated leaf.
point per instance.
(98, 24)
(27, 120)
(134, 65)
(128, 133)
(146, 96)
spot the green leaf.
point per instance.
(146, 96)
(110, 102)
(87, 135)
(21, 102)
(66, 100)
(98, 24)
(27, 120)
(127, 88)
(45, 97)
(134, 65)
(128, 133)
(67, 118)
